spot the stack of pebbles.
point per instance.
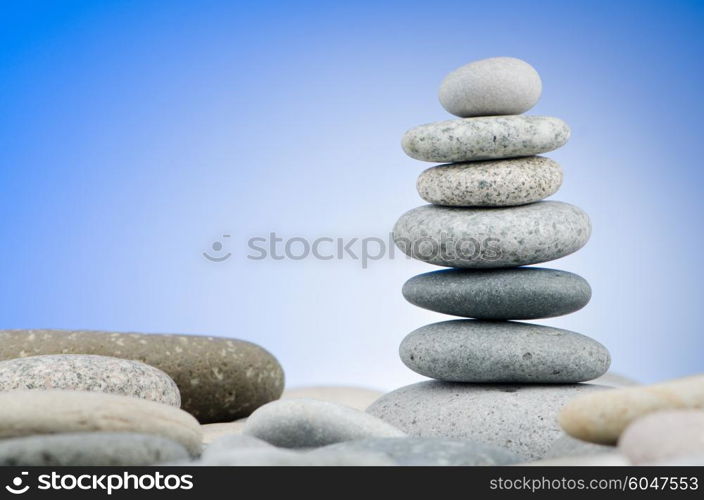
(486, 219)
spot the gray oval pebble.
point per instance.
(518, 293)
(485, 138)
(492, 237)
(494, 86)
(466, 350)
(496, 183)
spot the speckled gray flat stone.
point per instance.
(496, 183)
(516, 293)
(308, 423)
(83, 372)
(416, 451)
(492, 237)
(86, 449)
(494, 86)
(220, 379)
(469, 350)
(485, 138)
(567, 446)
(520, 418)
(234, 443)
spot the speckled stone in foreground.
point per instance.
(499, 294)
(27, 413)
(83, 372)
(492, 237)
(86, 449)
(520, 418)
(220, 379)
(467, 350)
(485, 138)
(497, 183)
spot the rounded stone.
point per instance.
(83, 372)
(467, 350)
(519, 418)
(26, 413)
(220, 379)
(499, 294)
(355, 397)
(283, 457)
(601, 418)
(567, 446)
(416, 451)
(494, 86)
(234, 443)
(485, 138)
(498, 183)
(86, 449)
(308, 423)
(477, 238)
(663, 436)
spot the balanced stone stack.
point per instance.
(486, 220)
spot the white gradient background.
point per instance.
(134, 134)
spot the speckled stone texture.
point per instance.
(601, 418)
(494, 86)
(219, 379)
(492, 237)
(467, 350)
(82, 372)
(485, 138)
(85, 449)
(26, 413)
(287, 458)
(499, 294)
(415, 451)
(496, 183)
(308, 423)
(520, 418)
(663, 436)
(567, 446)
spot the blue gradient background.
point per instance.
(134, 134)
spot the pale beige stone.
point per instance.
(355, 397)
(26, 413)
(602, 417)
(211, 432)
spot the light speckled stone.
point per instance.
(608, 459)
(520, 418)
(494, 86)
(492, 237)
(220, 379)
(467, 350)
(84, 449)
(282, 457)
(307, 423)
(358, 398)
(81, 372)
(211, 432)
(415, 451)
(26, 413)
(567, 446)
(517, 293)
(664, 435)
(234, 443)
(485, 138)
(601, 418)
(498, 183)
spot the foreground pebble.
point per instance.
(90, 449)
(519, 293)
(492, 237)
(416, 451)
(287, 458)
(489, 351)
(307, 423)
(494, 86)
(501, 183)
(234, 443)
(219, 379)
(485, 138)
(602, 417)
(82, 372)
(519, 418)
(25, 413)
(662, 436)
